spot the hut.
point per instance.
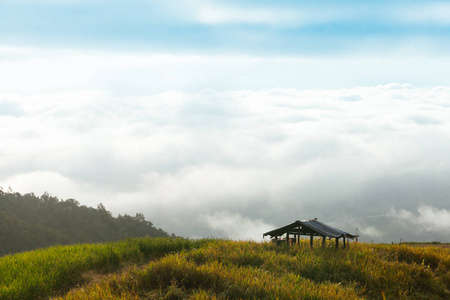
(311, 228)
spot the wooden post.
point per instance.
(311, 240)
(287, 238)
(337, 243)
(323, 241)
(343, 239)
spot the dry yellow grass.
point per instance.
(218, 269)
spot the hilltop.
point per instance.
(174, 268)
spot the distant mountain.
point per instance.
(28, 222)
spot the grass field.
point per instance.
(432, 244)
(218, 269)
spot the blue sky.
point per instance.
(251, 27)
(297, 44)
(228, 118)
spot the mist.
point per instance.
(235, 164)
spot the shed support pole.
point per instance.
(287, 238)
(323, 241)
(311, 240)
(344, 241)
(337, 243)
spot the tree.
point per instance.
(28, 222)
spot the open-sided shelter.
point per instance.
(309, 228)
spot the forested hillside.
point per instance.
(28, 222)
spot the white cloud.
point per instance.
(221, 12)
(40, 70)
(215, 15)
(431, 13)
(38, 181)
(371, 233)
(428, 218)
(267, 156)
(300, 14)
(234, 225)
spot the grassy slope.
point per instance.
(216, 269)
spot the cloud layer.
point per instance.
(25, 70)
(227, 118)
(236, 163)
(429, 219)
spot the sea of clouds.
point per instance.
(238, 163)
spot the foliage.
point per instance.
(217, 269)
(28, 222)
